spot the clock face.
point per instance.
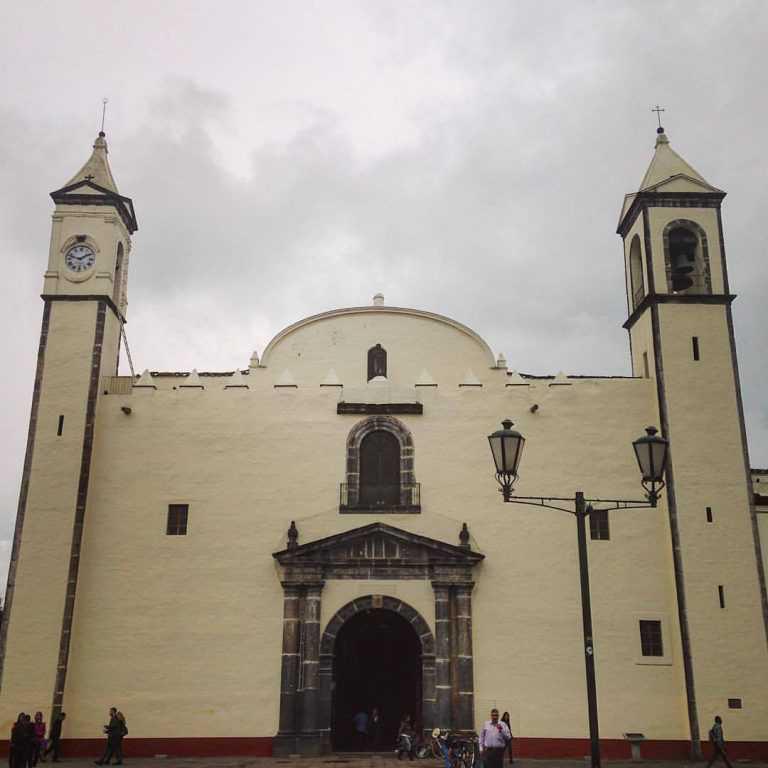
(79, 258)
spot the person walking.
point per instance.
(718, 742)
(54, 737)
(493, 740)
(29, 740)
(17, 752)
(38, 743)
(360, 721)
(112, 730)
(406, 744)
(374, 728)
(121, 735)
(505, 719)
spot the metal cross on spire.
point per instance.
(658, 110)
(103, 113)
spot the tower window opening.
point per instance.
(117, 293)
(695, 347)
(377, 362)
(646, 368)
(709, 514)
(636, 272)
(687, 259)
(60, 428)
(721, 595)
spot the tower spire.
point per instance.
(96, 168)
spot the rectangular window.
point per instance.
(646, 369)
(695, 343)
(709, 514)
(721, 595)
(177, 519)
(734, 703)
(650, 638)
(598, 525)
(61, 425)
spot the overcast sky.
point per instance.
(285, 158)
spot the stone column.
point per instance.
(442, 656)
(310, 663)
(285, 741)
(464, 683)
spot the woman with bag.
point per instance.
(508, 748)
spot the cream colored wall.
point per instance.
(104, 230)
(728, 644)
(214, 596)
(41, 575)
(445, 352)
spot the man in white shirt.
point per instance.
(493, 740)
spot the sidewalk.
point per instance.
(373, 761)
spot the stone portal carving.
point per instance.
(376, 551)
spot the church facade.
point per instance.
(241, 561)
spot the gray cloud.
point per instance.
(472, 161)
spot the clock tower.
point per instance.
(84, 306)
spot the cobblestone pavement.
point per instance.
(371, 761)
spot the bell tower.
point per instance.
(84, 306)
(681, 337)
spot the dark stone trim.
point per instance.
(323, 552)
(344, 409)
(667, 200)
(677, 555)
(395, 509)
(123, 205)
(82, 500)
(653, 299)
(358, 433)
(87, 297)
(24, 490)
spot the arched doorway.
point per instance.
(376, 663)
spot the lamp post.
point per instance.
(651, 451)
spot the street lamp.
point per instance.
(651, 451)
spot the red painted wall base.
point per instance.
(261, 746)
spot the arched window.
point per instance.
(377, 362)
(117, 291)
(380, 474)
(380, 470)
(636, 272)
(686, 258)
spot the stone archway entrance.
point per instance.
(377, 661)
(373, 552)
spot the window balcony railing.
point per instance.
(386, 499)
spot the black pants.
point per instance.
(719, 752)
(53, 746)
(494, 757)
(114, 749)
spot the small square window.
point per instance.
(734, 703)
(177, 519)
(650, 638)
(598, 525)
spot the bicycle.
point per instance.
(457, 749)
